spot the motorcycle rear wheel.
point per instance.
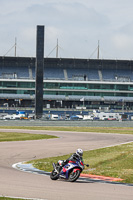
(54, 175)
(73, 176)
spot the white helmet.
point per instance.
(79, 152)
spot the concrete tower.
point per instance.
(39, 72)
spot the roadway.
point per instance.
(22, 184)
(79, 123)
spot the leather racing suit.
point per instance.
(74, 157)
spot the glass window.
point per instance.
(121, 87)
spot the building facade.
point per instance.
(68, 83)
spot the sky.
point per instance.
(77, 24)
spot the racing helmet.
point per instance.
(79, 152)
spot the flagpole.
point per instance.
(123, 105)
(83, 99)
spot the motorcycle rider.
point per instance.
(74, 157)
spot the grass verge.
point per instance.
(120, 130)
(8, 198)
(114, 161)
(14, 136)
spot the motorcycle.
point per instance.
(71, 171)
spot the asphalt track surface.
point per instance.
(22, 184)
(79, 123)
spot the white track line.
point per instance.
(15, 166)
(113, 145)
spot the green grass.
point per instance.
(14, 136)
(114, 161)
(8, 198)
(120, 130)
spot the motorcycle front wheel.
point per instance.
(54, 175)
(73, 176)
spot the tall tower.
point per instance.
(39, 71)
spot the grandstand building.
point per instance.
(68, 83)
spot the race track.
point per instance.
(21, 184)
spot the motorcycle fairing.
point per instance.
(66, 169)
(76, 169)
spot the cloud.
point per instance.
(122, 41)
(78, 25)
